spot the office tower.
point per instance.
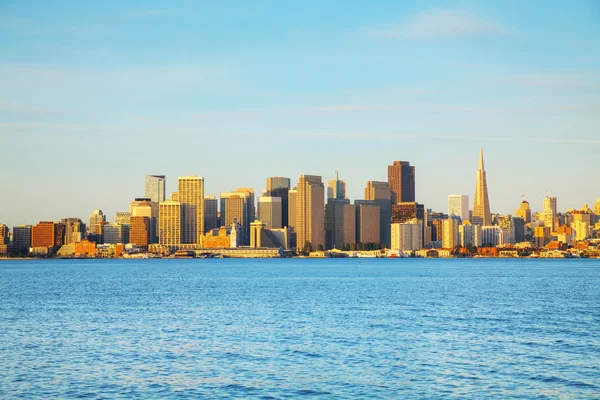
(122, 217)
(437, 227)
(74, 230)
(524, 212)
(144, 207)
(549, 213)
(336, 188)
(47, 234)
(582, 230)
(406, 237)
(21, 238)
(450, 238)
(458, 205)
(211, 205)
(469, 235)
(97, 219)
(190, 192)
(401, 181)
(139, 231)
(235, 207)
(493, 236)
(368, 216)
(155, 188)
(4, 235)
(269, 212)
(310, 212)
(507, 223)
(250, 204)
(519, 224)
(340, 223)
(481, 206)
(292, 215)
(115, 233)
(380, 193)
(170, 229)
(278, 186)
(541, 236)
(406, 211)
(597, 210)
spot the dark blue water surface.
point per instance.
(300, 328)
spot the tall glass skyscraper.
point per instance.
(155, 188)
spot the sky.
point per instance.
(95, 95)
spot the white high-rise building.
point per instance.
(469, 235)
(549, 213)
(494, 236)
(406, 237)
(458, 206)
(450, 237)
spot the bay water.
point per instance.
(289, 328)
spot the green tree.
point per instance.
(353, 247)
(320, 247)
(347, 247)
(308, 247)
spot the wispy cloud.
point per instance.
(442, 24)
(152, 12)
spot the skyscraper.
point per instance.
(4, 235)
(96, 217)
(549, 213)
(401, 180)
(235, 207)
(21, 238)
(210, 213)
(524, 212)
(340, 223)
(269, 212)
(74, 230)
(144, 207)
(367, 221)
(336, 188)
(292, 221)
(278, 186)
(190, 192)
(380, 193)
(450, 237)
(310, 211)
(406, 237)
(122, 217)
(155, 186)
(458, 205)
(116, 233)
(169, 225)
(481, 206)
(139, 231)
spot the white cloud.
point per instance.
(443, 24)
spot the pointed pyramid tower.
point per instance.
(481, 206)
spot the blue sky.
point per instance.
(94, 95)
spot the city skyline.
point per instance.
(172, 183)
(305, 92)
